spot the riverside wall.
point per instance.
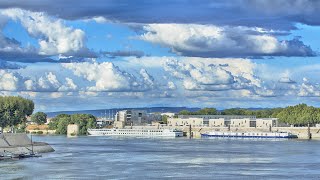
(20, 143)
(49, 132)
(301, 132)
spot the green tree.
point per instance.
(164, 119)
(184, 112)
(84, 122)
(14, 110)
(39, 118)
(204, 111)
(299, 115)
(207, 111)
(63, 125)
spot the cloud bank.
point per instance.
(213, 41)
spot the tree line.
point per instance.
(298, 115)
(204, 111)
(61, 122)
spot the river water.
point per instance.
(181, 158)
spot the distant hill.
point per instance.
(106, 112)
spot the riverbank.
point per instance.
(300, 132)
(20, 143)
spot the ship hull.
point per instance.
(135, 133)
(249, 135)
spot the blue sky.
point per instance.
(115, 54)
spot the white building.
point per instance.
(223, 121)
(266, 122)
(217, 122)
(245, 122)
(194, 122)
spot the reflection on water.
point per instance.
(130, 158)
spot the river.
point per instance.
(181, 158)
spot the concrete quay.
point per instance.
(301, 132)
(20, 143)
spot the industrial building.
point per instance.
(131, 117)
(135, 118)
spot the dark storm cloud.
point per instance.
(295, 48)
(276, 14)
(303, 11)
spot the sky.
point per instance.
(100, 54)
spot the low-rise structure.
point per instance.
(244, 122)
(194, 122)
(102, 122)
(217, 122)
(223, 121)
(266, 122)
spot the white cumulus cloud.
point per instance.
(54, 37)
(9, 81)
(108, 77)
(212, 76)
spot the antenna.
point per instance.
(112, 115)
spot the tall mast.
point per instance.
(31, 145)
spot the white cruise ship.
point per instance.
(136, 132)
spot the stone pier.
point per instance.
(20, 143)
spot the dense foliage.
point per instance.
(265, 113)
(39, 118)
(204, 111)
(164, 119)
(60, 122)
(299, 115)
(14, 110)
